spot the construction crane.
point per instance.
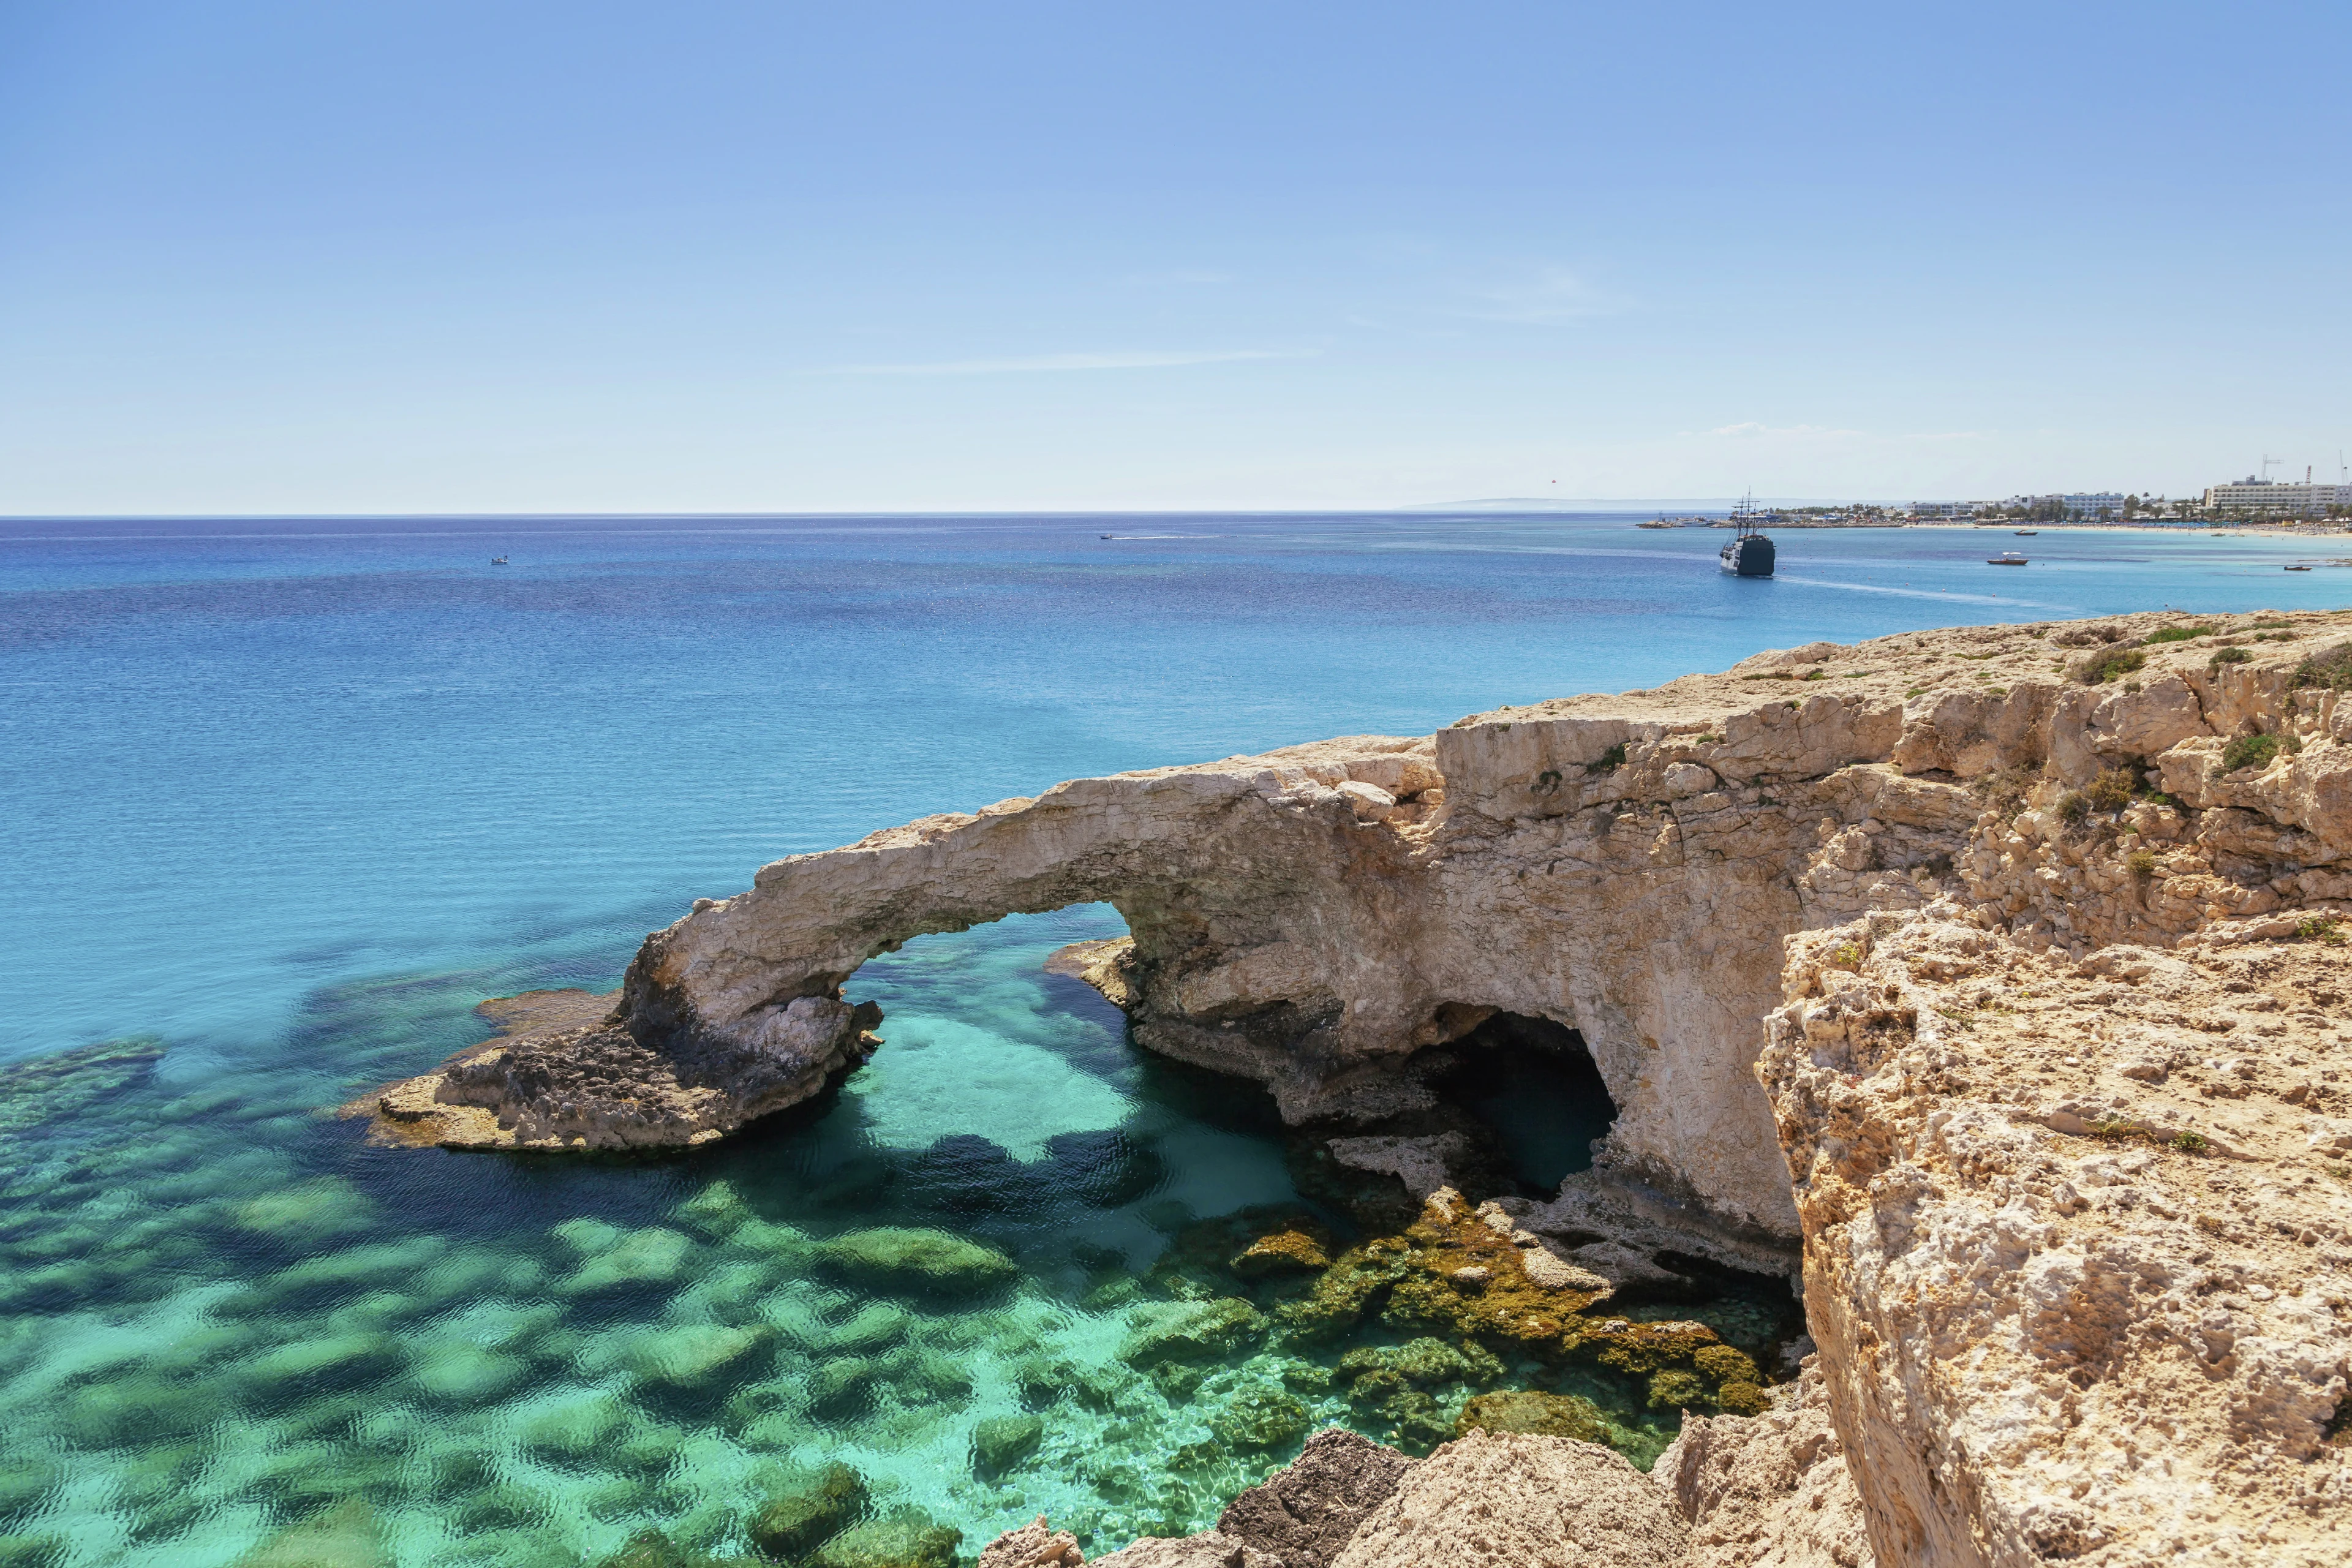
(2268, 463)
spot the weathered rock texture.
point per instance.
(1303, 1513)
(1487, 1500)
(2077, 1246)
(1770, 1490)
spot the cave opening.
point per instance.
(1533, 1085)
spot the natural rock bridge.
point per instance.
(1309, 919)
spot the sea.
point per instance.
(284, 797)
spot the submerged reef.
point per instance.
(1989, 979)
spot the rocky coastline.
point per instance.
(1989, 980)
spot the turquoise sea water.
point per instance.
(285, 798)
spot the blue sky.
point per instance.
(424, 257)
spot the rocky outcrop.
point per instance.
(2076, 1251)
(1498, 1499)
(1771, 1490)
(1303, 1514)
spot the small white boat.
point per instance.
(497, 560)
(2295, 568)
(2027, 532)
(2006, 558)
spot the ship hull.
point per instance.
(1749, 557)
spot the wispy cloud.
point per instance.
(1548, 296)
(1751, 429)
(1027, 365)
(1178, 277)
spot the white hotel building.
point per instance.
(2262, 495)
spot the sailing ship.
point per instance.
(1750, 554)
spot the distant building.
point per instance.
(2074, 504)
(2262, 498)
(1945, 511)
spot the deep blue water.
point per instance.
(284, 797)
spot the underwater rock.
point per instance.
(716, 1211)
(1192, 1331)
(689, 1352)
(1034, 1545)
(876, 1326)
(60, 1085)
(1302, 1513)
(1489, 1500)
(1537, 1413)
(1260, 1419)
(910, 1542)
(308, 1211)
(1001, 1442)
(652, 1255)
(931, 1263)
(346, 1536)
(795, 1520)
(466, 1374)
(654, 1549)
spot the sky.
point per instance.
(497, 255)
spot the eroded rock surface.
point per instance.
(2076, 1250)
(1508, 1499)
(1770, 1490)
(1303, 1513)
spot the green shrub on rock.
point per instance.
(2328, 671)
(2250, 751)
(2109, 664)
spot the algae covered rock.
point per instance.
(913, 1261)
(1676, 1390)
(346, 1536)
(1001, 1442)
(308, 1211)
(798, 1518)
(1542, 1415)
(652, 1549)
(1294, 1248)
(1261, 1418)
(1192, 1331)
(909, 1542)
(652, 1255)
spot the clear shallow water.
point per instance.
(285, 799)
